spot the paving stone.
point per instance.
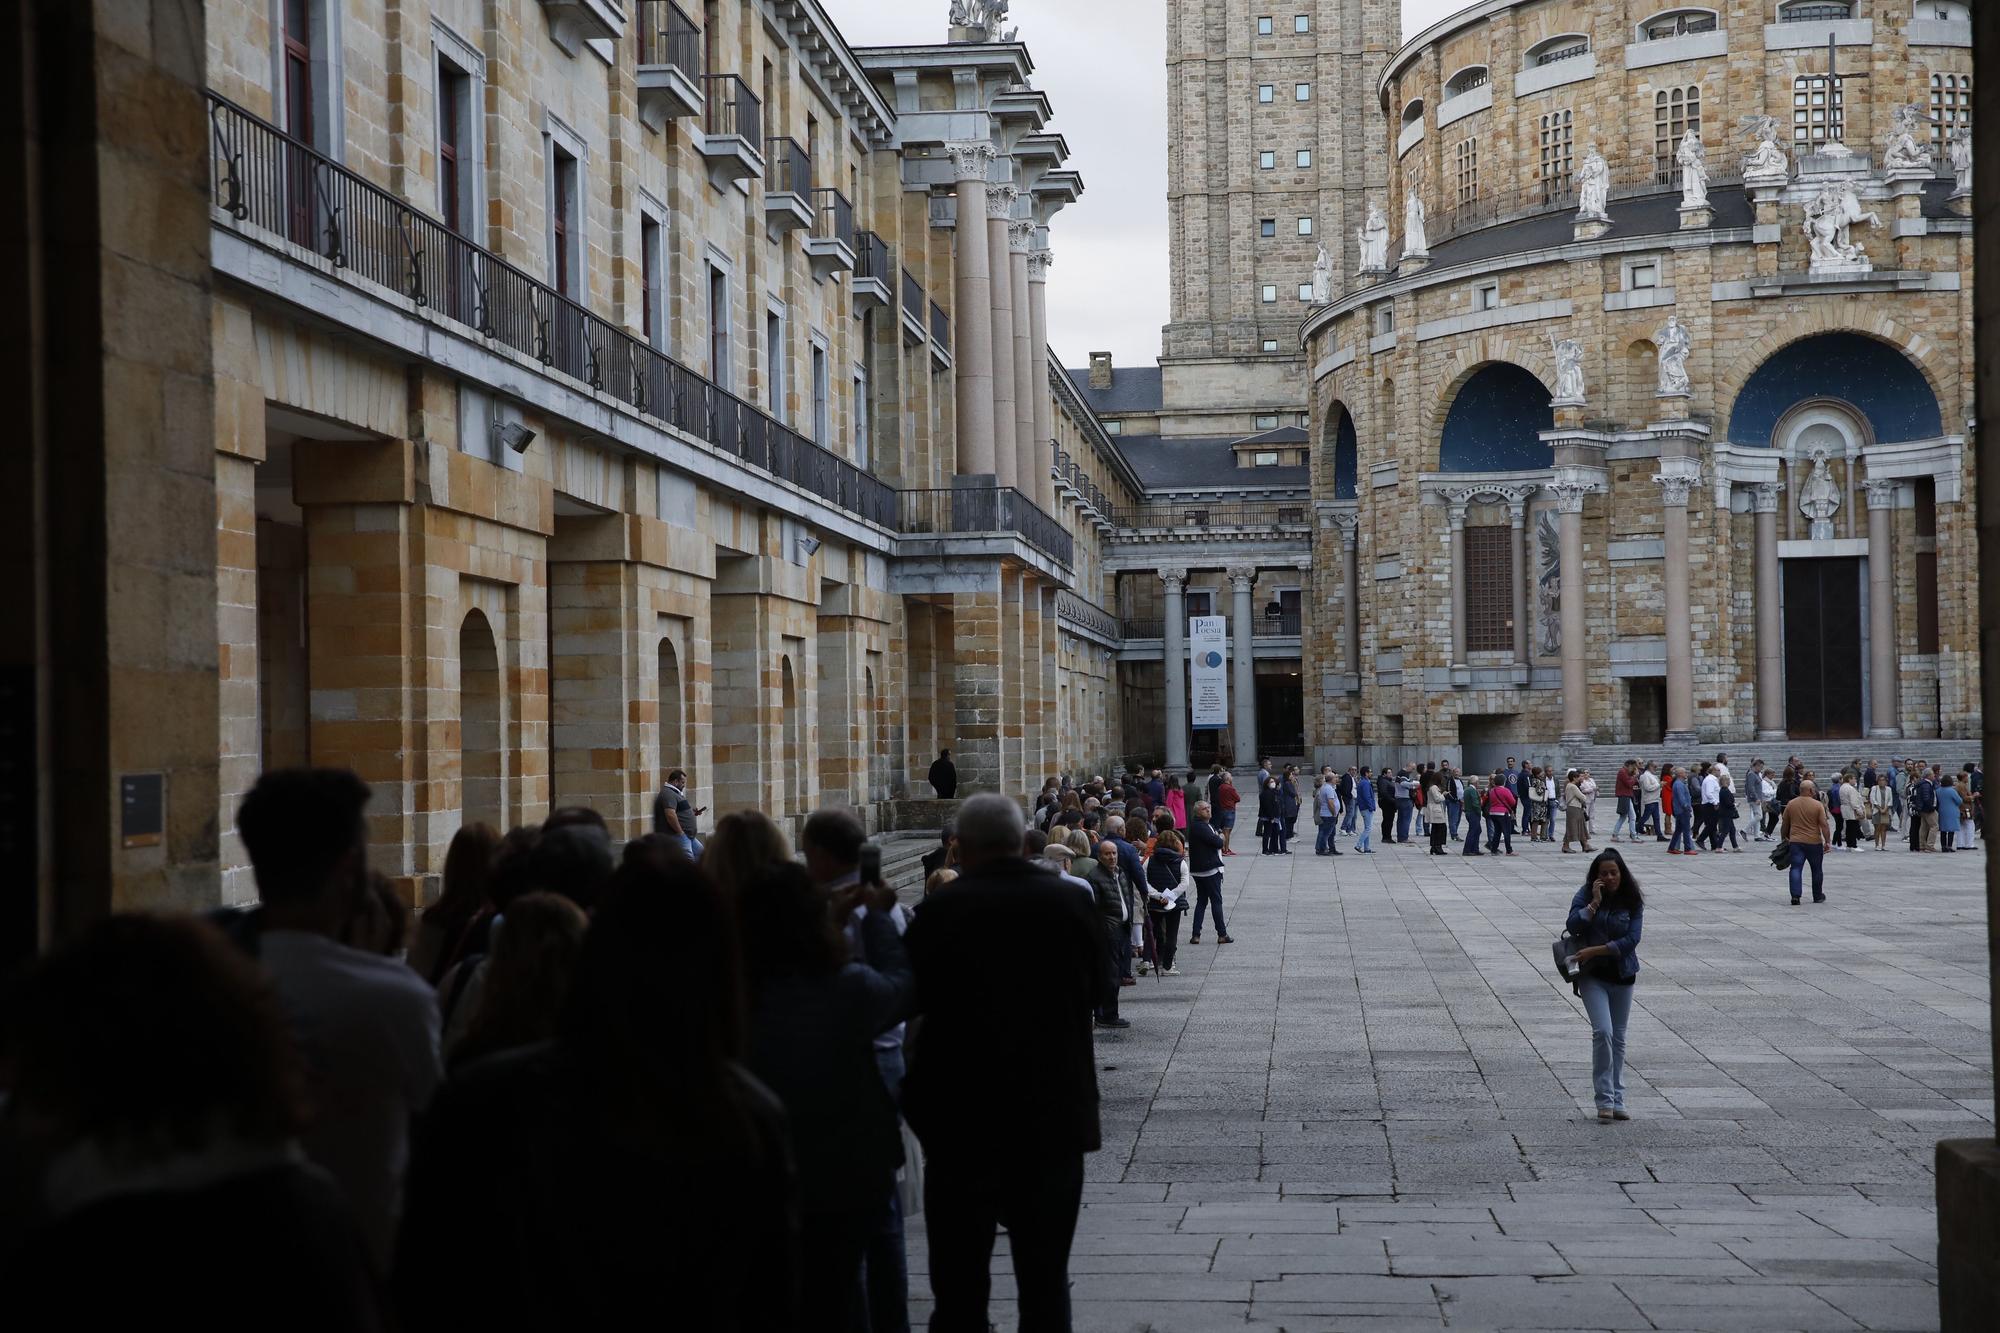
(1327, 1126)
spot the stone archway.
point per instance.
(482, 753)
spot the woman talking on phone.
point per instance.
(1605, 917)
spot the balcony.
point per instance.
(873, 272)
(670, 64)
(830, 245)
(732, 131)
(1199, 520)
(574, 22)
(913, 310)
(1080, 614)
(268, 181)
(788, 186)
(981, 511)
(940, 335)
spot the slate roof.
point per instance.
(1645, 215)
(1201, 464)
(1133, 389)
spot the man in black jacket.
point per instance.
(944, 776)
(1204, 846)
(1002, 1087)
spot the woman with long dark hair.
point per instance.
(1605, 919)
(447, 923)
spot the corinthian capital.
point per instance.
(1881, 492)
(970, 158)
(1175, 580)
(1242, 577)
(1764, 497)
(1020, 235)
(1000, 201)
(1674, 487)
(1569, 495)
(1038, 265)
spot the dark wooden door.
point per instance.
(1822, 649)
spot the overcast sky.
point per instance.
(1103, 65)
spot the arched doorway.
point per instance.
(673, 740)
(791, 755)
(482, 767)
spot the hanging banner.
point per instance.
(1208, 671)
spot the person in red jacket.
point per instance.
(1227, 798)
(1500, 805)
(1627, 790)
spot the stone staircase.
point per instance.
(903, 862)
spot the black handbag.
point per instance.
(1564, 948)
(1781, 856)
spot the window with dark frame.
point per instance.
(1675, 112)
(453, 96)
(1557, 127)
(298, 116)
(1818, 111)
(650, 251)
(562, 205)
(1951, 107)
(1489, 589)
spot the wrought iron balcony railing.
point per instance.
(871, 257)
(731, 108)
(833, 217)
(913, 296)
(667, 36)
(1202, 515)
(787, 169)
(273, 182)
(940, 326)
(983, 509)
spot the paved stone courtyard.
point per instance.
(1373, 1111)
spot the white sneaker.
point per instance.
(1170, 971)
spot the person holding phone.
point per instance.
(1606, 915)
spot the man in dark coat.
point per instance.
(944, 776)
(1002, 1088)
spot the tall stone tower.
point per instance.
(1275, 136)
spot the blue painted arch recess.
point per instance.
(1495, 422)
(1868, 374)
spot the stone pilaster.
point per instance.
(1173, 659)
(975, 669)
(1674, 487)
(594, 688)
(1770, 642)
(1243, 665)
(1456, 512)
(1350, 611)
(1006, 426)
(1524, 573)
(1881, 610)
(1038, 336)
(1575, 679)
(1032, 455)
(972, 310)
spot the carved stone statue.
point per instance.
(1906, 149)
(1829, 215)
(1568, 353)
(1593, 185)
(1766, 164)
(1674, 344)
(1374, 241)
(1959, 146)
(1693, 158)
(1548, 583)
(1819, 498)
(1322, 276)
(983, 16)
(1415, 245)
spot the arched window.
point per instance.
(1677, 23)
(1553, 49)
(1871, 376)
(1472, 76)
(1815, 11)
(1495, 422)
(1943, 11)
(1675, 112)
(1951, 107)
(1414, 112)
(1555, 170)
(1465, 157)
(1346, 457)
(1818, 116)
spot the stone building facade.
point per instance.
(1571, 521)
(606, 388)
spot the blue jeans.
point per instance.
(1361, 836)
(1404, 809)
(1804, 854)
(1323, 839)
(1683, 838)
(1347, 820)
(1650, 819)
(1474, 826)
(1208, 895)
(1625, 820)
(1500, 827)
(1608, 1006)
(1452, 810)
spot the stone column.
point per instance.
(1006, 429)
(972, 311)
(1038, 347)
(1575, 682)
(1350, 611)
(1457, 512)
(1524, 574)
(1243, 666)
(1674, 488)
(1881, 610)
(1770, 659)
(1174, 658)
(1033, 465)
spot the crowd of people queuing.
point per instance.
(594, 1087)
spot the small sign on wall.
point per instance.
(142, 809)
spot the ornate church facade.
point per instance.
(1650, 423)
